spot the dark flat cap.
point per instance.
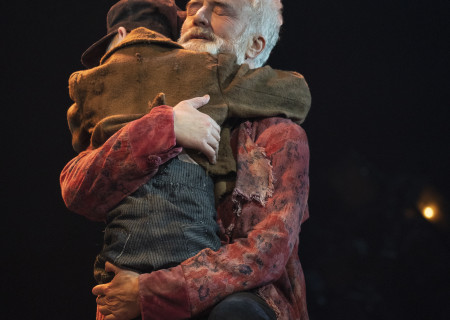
(132, 14)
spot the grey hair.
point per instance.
(266, 20)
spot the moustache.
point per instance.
(197, 33)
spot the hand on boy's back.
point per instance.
(119, 299)
(196, 130)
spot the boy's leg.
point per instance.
(242, 306)
(99, 316)
(238, 306)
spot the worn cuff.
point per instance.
(152, 138)
(163, 295)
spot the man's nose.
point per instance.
(201, 18)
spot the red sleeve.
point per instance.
(264, 237)
(98, 179)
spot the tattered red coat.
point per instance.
(259, 222)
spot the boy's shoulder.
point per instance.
(142, 36)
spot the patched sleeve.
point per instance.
(262, 223)
(98, 179)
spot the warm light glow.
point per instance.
(428, 213)
(430, 206)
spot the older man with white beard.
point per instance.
(256, 273)
(221, 26)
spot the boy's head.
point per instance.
(158, 15)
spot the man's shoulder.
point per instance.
(274, 123)
(275, 129)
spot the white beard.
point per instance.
(214, 46)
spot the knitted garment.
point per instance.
(166, 221)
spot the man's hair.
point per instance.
(266, 20)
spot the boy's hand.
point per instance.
(119, 299)
(196, 130)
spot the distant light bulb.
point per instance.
(428, 213)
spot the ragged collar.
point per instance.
(141, 36)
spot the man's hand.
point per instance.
(196, 130)
(119, 299)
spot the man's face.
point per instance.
(216, 26)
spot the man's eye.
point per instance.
(193, 8)
(221, 11)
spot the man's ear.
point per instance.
(255, 48)
(122, 32)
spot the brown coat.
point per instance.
(146, 64)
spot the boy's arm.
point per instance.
(98, 179)
(274, 93)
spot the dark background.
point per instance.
(379, 140)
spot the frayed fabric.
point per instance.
(255, 178)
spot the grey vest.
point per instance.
(166, 221)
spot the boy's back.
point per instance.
(146, 63)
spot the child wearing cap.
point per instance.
(161, 212)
